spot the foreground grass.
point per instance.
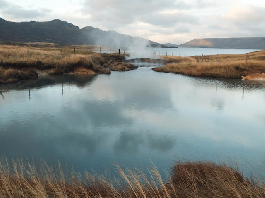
(19, 62)
(218, 66)
(190, 179)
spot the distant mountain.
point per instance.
(227, 43)
(62, 32)
(169, 45)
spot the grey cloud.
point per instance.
(146, 17)
(181, 29)
(181, 5)
(245, 21)
(250, 15)
(19, 12)
(118, 6)
(45, 10)
(3, 4)
(167, 20)
(215, 27)
(251, 29)
(172, 30)
(201, 4)
(122, 12)
(204, 4)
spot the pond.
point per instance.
(133, 119)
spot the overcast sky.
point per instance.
(174, 21)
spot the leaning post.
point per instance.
(28, 53)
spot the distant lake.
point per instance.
(133, 118)
(183, 51)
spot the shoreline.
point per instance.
(19, 63)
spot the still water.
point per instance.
(133, 118)
(183, 51)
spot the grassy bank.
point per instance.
(19, 62)
(250, 65)
(13, 75)
(200, 179)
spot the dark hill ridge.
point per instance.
(54, 31)
(62, 32)
(227, 43)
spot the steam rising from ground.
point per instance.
(111, 41)
(114, 39)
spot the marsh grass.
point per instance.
(26, 56)
(187, 179)
(12, 75)
(216, 66)
(24, 59)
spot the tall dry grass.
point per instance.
(12, 75)
(189, 179)
(55, 59)
(33, 56)
(28, 56)
(216, 66)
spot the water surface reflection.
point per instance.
(131, 118)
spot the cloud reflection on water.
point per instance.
(142, 115)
